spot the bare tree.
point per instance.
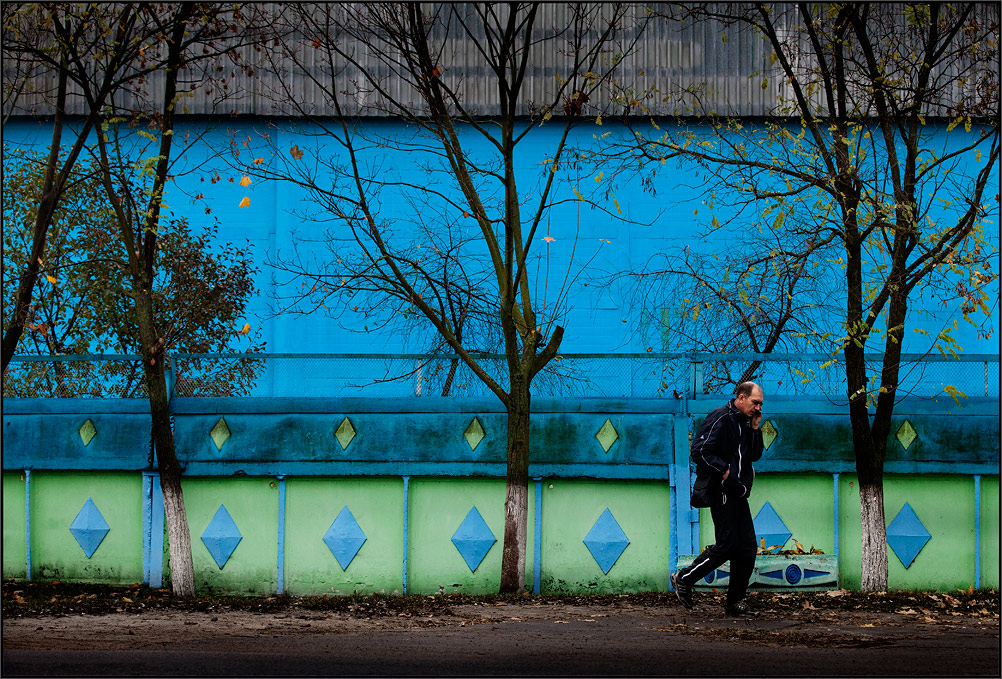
(117, 64)
(458, 78)
(882, 154)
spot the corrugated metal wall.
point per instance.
(669, 55)
(726, 64)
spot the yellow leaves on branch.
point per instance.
(246, 329)
(549, 239)
(955, 394)
(245, 181)
(245, 202)
(51, 279)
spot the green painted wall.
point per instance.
(312, 504)
(57, 498)
(944, 505)
(437, 507)
(252, 502)
(571, 508)
(14, 546)
(805, 502)
(990, 531)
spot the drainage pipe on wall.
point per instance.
(407, 482)
(537, 540)
(281, 534)
(977, 531)
(27, 522)
(835, 495)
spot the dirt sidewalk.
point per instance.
(90, 631)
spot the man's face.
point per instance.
(750, 405)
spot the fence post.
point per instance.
(683, 518)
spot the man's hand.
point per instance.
(755, 420)
(727, 473)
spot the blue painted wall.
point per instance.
(595, 321)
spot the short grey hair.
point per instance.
(744, 389)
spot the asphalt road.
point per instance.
(628, 643)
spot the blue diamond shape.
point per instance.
(606, 541)
(473, 539)
(89, 528)
(769, 526)
(221, 536)
(344, 538)
(906, 535)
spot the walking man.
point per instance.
(724, 448)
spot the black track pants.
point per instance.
(734, 532)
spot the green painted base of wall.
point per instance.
(805, 503)
(312, 504)
(945, 506)
(989, 532)
(252, 503)
(943, 503)
(57, 498)
(14, 542)
(436, 508)
(571, 508)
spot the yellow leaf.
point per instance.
(295, 152)
(51, 279)
(258, 161)
(800, 547)
(549, 239)
(245, 181)
(616, 203)
(955, 393)
(246, 329)
(579, 196)
(245, 202)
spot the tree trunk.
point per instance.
(178, 535)
(516, 506)
(453, 366)
(870, 474)
(874, 549)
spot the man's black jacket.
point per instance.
(724, 441)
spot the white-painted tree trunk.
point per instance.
(182, 568)
(874, 547)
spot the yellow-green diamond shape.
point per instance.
(607, 435)
(474, 434)
(907, 434)
(345, 433)
(769, 433)
(220, 433)
(87, 432)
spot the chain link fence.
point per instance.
(409, 375)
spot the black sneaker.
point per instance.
(682, 590)
(740, 608)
